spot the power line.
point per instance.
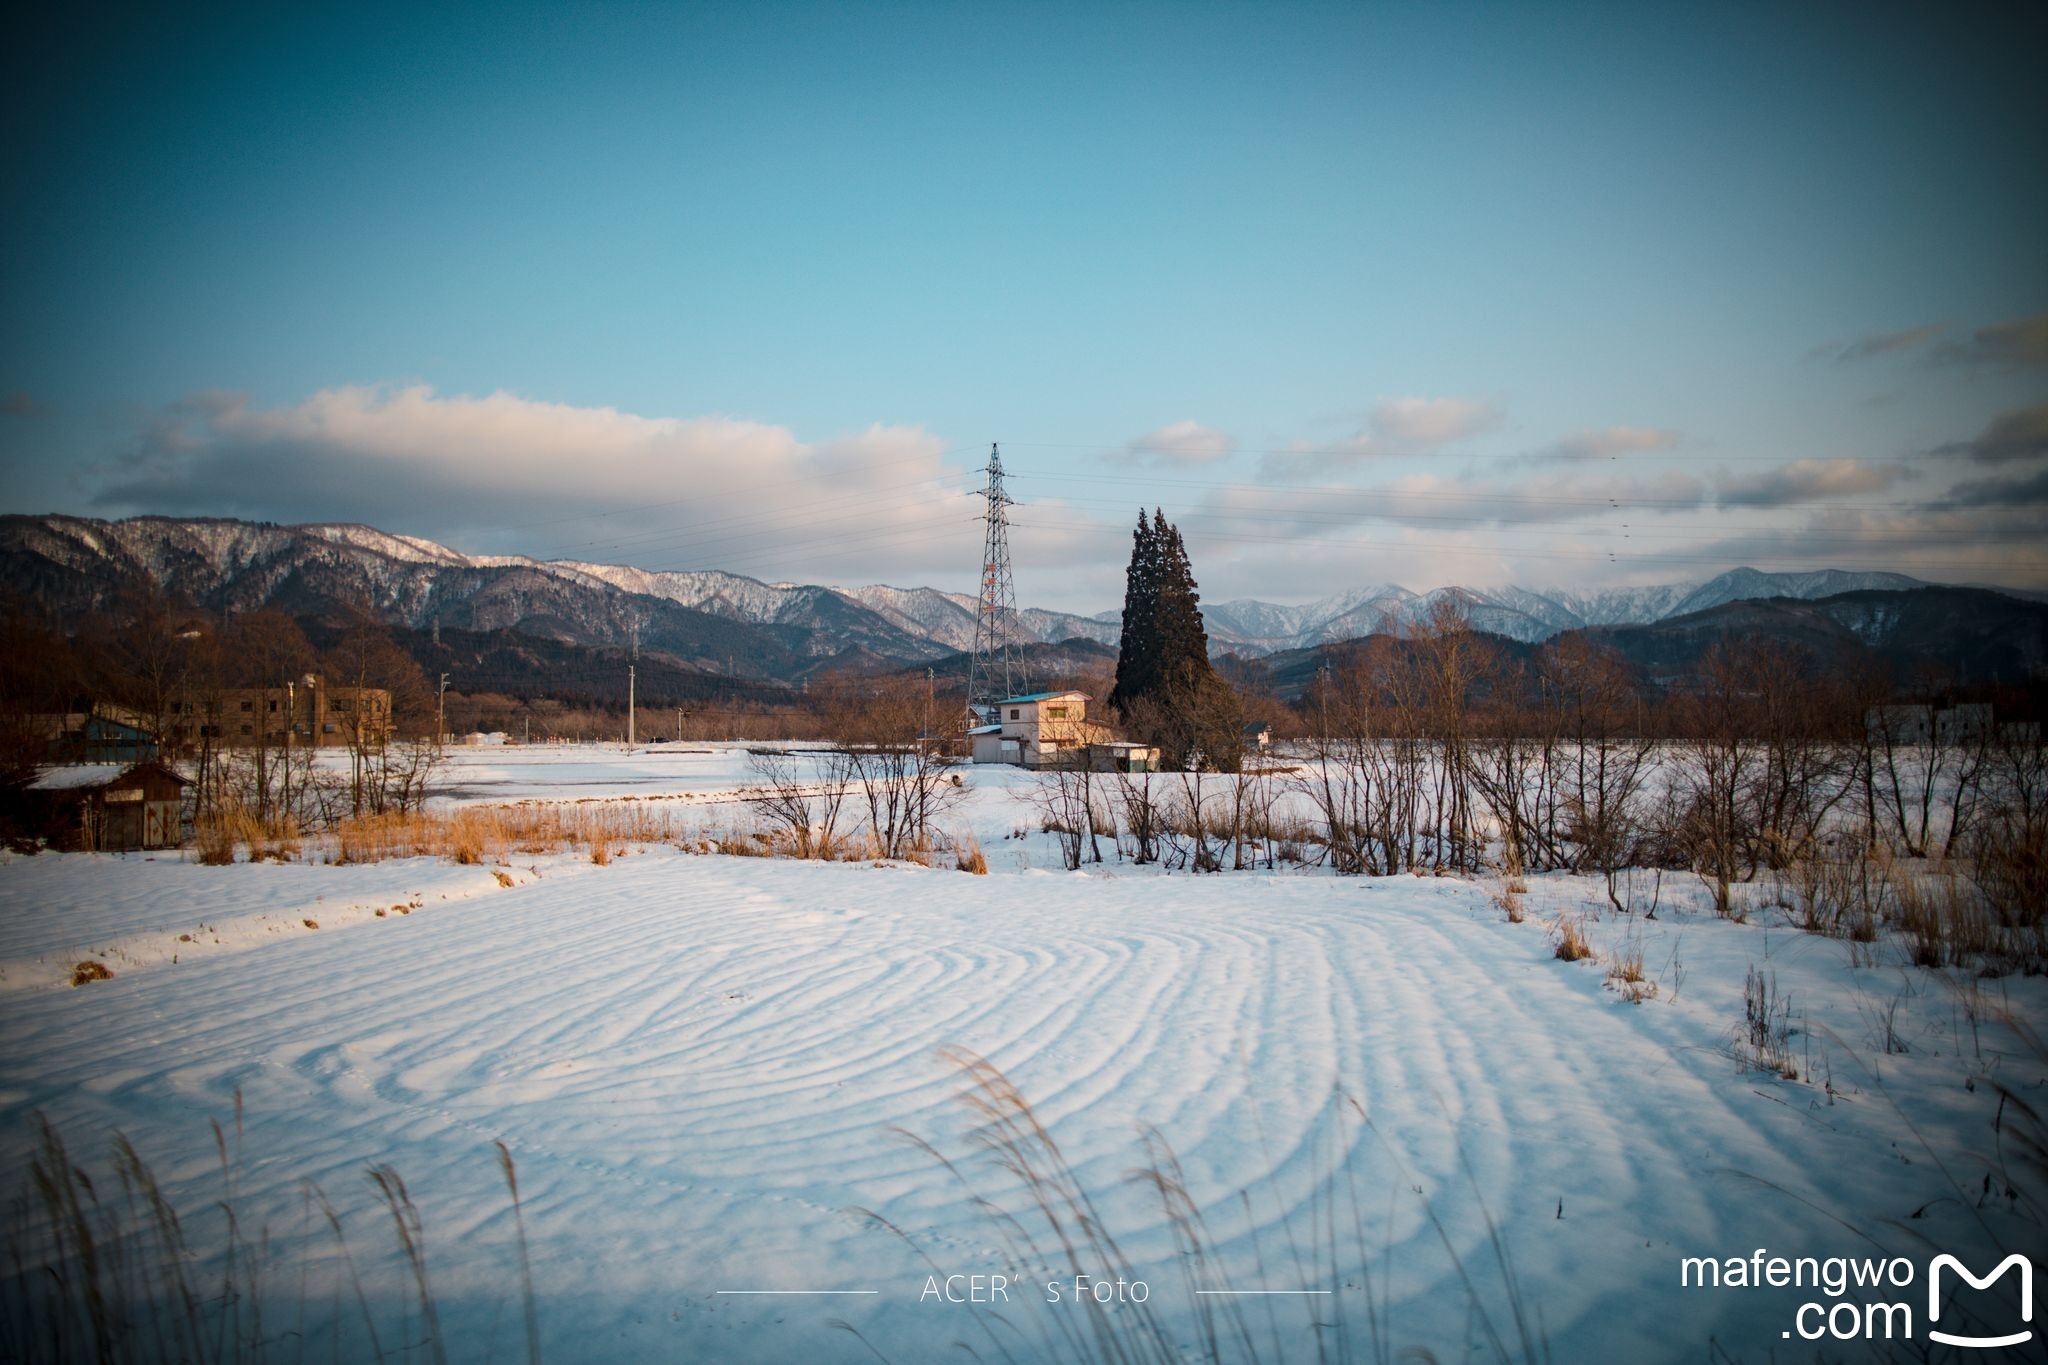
(1323, 492)
(1547, 457)
(1494, 549)
(669, 533)
(1309, 516)
(716, 493)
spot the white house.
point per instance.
(1036, 730)
(1052, 730)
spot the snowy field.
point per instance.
(705, 1068)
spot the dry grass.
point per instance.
(483, 834)
(1765, 1043)
(1513, 867)
(739, 843)
(91, 971)
(967, 855)
(222, 832)
(1625, 972)
(1571, 940)
(1945, 920)
(105, 1267)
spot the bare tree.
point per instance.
(1451, 660)
(1606, 753)
(806, 810)
(1143, 814)
(898, 762)
(1716, 763)
(384, 773)
(1065, 799)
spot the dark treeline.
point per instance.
(212, 693)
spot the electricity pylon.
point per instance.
(989, 676)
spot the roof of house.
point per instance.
(1042, 696)
(85, 776)
(987, 729)
(72, 776)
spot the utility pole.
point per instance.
(995, 621)
(679, 725)
(631, 702)
(286, 796)
(441, 711)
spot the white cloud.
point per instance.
(1806, 481)
(1393, 427)
(1423, 424)
(1179, 443)
(509, 474)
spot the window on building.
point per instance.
(248, 706)
(1015, 713)
(246, 729)
(1056, 712)
(273, 706)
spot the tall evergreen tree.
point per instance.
(1137, 658)
(1163, 674)
(1183, 640)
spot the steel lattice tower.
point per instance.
(989, 677)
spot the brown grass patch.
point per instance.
(1571, 940)
(480, 834)
(91, 971)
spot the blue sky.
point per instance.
(1549, 294)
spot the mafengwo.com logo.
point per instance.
(1871, 1299)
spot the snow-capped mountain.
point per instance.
(720, 620)
(1527, 614)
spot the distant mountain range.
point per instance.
(730, 625)
(1966, 636)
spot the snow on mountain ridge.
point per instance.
(402, 570)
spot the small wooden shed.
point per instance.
(108, 807)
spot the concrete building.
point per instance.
(1038, 730)
(314, 713)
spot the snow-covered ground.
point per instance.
(704, 1067)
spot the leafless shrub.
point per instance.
(1065, 800)
(804, 812)
(1765, 1041)
(1945, 920)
